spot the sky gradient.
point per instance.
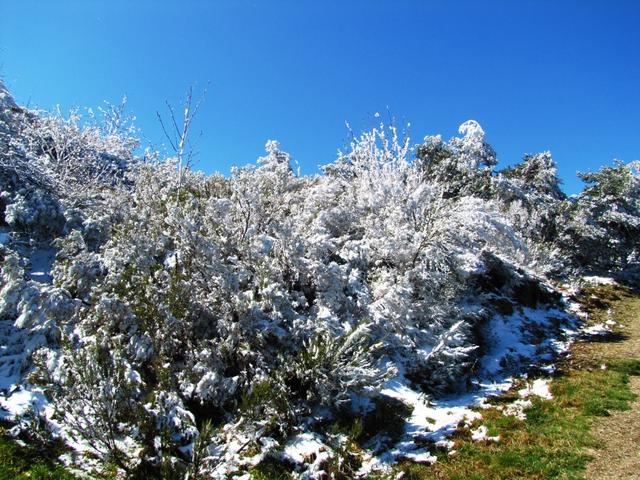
(562, 76)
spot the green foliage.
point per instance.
(609, 181)
(440, 163)
(268, 401)
(630, 367)
(270, 469)
(387, 419)
(26, 462)
(536, 173)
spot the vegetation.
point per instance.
(26, 461)
(184, 325)
(555, 439)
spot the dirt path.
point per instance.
(619, 456)
(618, 435)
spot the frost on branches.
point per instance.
(169, 324)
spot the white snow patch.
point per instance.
(597, 329)
(511, 348)
(516, 409)
(595, 280)
(303, 447)
(481, 434)
(467, 264)
(539, 387)
(21, 402)
(419, 456)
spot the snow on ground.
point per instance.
(595, 280)
(596, 330)
(516, 408)
(481, 434)
(304, 447)
(511, 348)
(539, 388)
(21, 402)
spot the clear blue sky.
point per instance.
(538, 75)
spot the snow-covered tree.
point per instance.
(604, 228)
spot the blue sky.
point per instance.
(545, 75)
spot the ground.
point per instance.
(618, 435)
(618, 456)
(589, 430)
(591, 427)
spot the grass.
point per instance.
(552, 440)
(555, 438)
(270, 469)
(22, 463)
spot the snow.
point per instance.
(6, 100)
(595, 280)
(471, 128)
(467, 263)
(509, 344)
(420, 455)
(431, 420)
(20, 402)
(516, 408)
(393, 275)
(434, 420)
(303, 447)
(596, 330)
(539, 388)
(481, 434)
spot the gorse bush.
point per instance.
(192, 317)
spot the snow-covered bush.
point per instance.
(35, 212)
(603, 231)
(191, 317)
(462, 166)
(529, 195)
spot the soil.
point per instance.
(618, 435)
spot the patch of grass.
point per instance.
(626, 366)
(22, 463)
(270, 469)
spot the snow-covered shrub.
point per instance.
(36, 213)
(193, 318)
(51, 163)
(97, 400)
(529, 195)
(462, 166)
(77, 156)
(12, 276)
(329, 370)
(603, 230)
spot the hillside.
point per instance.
(161, 323)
